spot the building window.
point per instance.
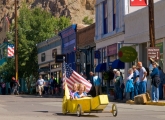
(54, 53)
(43, 57)
(104, 55)
(101, 56)
(114, 15)
(105, 16)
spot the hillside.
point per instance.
(75, 9)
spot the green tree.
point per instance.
(34, 26)
(87, 20)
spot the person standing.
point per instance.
(129, 87)
(52, 84)
(114, 76)
(135, 80)
(14, 86)
(142, 78)
(97, 84)
(3, 88)
(162, 78)
(46, 85)
(40, 84)
(117, 85)
(155, 82)
(92, 91)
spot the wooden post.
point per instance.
(151, 23)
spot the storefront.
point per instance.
(86, 47)
(68, 37)
(47, 51)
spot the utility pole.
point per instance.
(151, 23)
(16, 43)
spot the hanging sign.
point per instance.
(154, 53)
(127, 54)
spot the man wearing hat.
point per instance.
(142, 78)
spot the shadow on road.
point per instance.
(74, 115)
(37, 96)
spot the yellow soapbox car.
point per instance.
(86, 105)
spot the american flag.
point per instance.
(71, 77)
(10, 51)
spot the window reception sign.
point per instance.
(127, 54)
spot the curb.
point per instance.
(147, 103)
(155, 103)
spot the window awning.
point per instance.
(117, 64)
(100, 67)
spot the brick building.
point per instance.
(86, 48)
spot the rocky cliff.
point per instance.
(75, 9)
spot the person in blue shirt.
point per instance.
(135, 80)
(155, 82)
(97, 84)
(81, 92)
(162, 78)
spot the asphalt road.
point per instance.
(36, 108)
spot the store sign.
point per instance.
(111, 49)
(127, 54)
(97, 54)
(138, 2)
(153, 52)
(160, 46)
(67, 32)
(60, 58)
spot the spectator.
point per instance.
(162, 78)
(15, 85)
(40, 84)
(92, 91)
(142, 78)
(46, 85)
(129, 85)
(52, 84)
(97, 84)
(155, 82)
(117, 84)
(135, 80)
(3, 90)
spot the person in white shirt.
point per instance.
(40, 84)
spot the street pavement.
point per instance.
(29, 107)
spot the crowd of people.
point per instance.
(51, 86)
(140, 81)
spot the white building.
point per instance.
(137, 31)
(110, 28)
(47, 51)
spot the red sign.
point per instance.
(138, 2)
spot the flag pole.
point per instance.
(64, 69)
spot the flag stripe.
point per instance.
(10, 50)
(81, 79)
(71, 77)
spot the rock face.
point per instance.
(75, 9)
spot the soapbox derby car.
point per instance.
(86, 105)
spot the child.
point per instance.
(75, 87)
(81, 92)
